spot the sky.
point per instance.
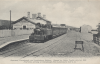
(70, 12)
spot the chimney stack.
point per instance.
(33, 16)
(39, 14)
(44, 16)
(28, 14)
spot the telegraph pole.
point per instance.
(10, 20)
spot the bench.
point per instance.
(79, 42)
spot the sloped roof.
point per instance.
(27, 19)
(44, 19)
(30, 20)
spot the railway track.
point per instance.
(16, 48)
(49, 47)
(11, 47)
(9, 53)
(27, 50)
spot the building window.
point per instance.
(24, 27)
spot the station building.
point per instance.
(29, 23)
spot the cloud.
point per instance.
(58, 11)
(74, 13)
(85, 13)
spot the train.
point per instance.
(46, 32)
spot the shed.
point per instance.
(85, 29)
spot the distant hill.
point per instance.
(4, 24)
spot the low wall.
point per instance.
(6, 33)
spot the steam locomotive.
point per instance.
(45, 32)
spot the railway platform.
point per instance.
(8, 40)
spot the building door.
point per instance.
(24, 27)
